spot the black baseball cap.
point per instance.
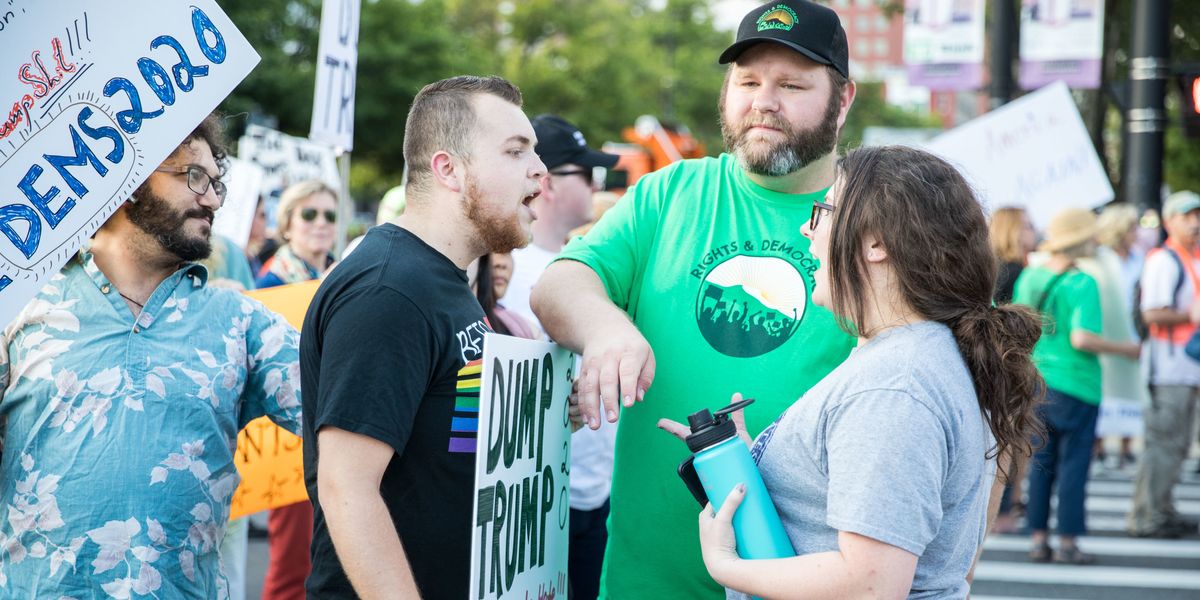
(808, 28)
(560, 142)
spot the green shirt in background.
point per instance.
(1072, 304)
(714, 272)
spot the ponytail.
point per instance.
(997, 343)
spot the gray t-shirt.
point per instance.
(891, 445)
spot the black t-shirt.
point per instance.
(391, 348)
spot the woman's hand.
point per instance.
(718, 545)
(682, 431)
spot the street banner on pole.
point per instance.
(943, 43)
(1033, 152)
(270, 459)
(285, 160)
(1061, 41)
(97, 96)
(523, 462)
(337, 65)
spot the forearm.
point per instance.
(1165, 317)
(573, 306)
(1086, 341)
(812, 576)
(367, 544)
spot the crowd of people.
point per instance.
(916, 369)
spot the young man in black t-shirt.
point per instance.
(391, 351)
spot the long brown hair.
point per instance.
(936, 236)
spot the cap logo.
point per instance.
(780, 16)
(578, 135)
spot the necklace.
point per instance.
(139, 304)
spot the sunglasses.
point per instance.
(819, 208)
(586, 174)
(198, 180)
(310, 215)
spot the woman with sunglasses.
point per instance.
(307, 226)
(883, 471)
(306, 223)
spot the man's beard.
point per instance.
(798, 150)
(153, 215)
(499, 233)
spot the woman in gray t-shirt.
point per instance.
(883, 471)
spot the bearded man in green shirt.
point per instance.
(699, 282)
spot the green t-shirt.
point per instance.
(1072, 304)
(714, 272)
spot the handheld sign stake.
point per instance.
(93, 98)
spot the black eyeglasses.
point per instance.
(819, 208)
(586, 174)
(198, 180)
(310, 215)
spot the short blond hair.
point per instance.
(293, 196)
(1114, 224)
(1005, 234)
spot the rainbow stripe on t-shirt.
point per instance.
(464, 424)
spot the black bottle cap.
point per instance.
(712, 428)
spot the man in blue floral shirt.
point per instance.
(125, 383)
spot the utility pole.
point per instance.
(1002, 50)
(1147, 117)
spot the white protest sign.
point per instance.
(522, 470)
(286, 159)
(100, 94)
(1033, 152)
(244, 180)
(337, 66)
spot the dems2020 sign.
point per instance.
(93, 97)
(523, 461)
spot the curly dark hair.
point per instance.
(212, 131)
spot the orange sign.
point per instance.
(269, 458)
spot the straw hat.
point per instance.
(1069, 228)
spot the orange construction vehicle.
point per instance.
(649, 147)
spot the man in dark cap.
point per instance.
(699, 282)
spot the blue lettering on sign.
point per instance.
(161, 82)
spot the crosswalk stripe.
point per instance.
(975, 597)
(1088, 575)
(1125, 488)
(1106, 546)
(1124, 505)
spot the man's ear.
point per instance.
(447, 170)
(547, 187)
(876, 252)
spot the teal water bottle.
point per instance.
(721, 461)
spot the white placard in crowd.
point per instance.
(244, 180)
(1061, 41)
(285, 160)
(943, 43)
(99, 95)
(523, 460)
(337, 67)
(1033, 152)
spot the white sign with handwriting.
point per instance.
(337, 67)
(1033, 152)
(96, 96)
